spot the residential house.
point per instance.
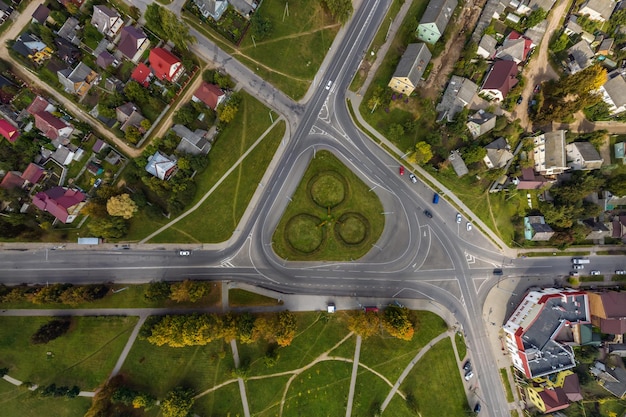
(572, 27)
(608, 311)
(598, 10)
(458, 164)
(69, 31)
(133, 43)
(614, 92)
(620, 151)
(129, 115)
(487, 47)
(498, 154)
(161, 166)
(52, 127)
(105, 59)
(31, 47)
(410, 68)
(618, 227)
(106, 20)
(194, 143)
(41, 14)
(142, 74)
(78, 80)
(549, 153)
(480, 123)
(94, 168)
(435, 19)
(99, 145)
(12, 180)
(77, 3)
(611, 379)
(526, 6)
(583, 156)
(536, 229)
(555, 393)
(39, 104)
(211, 8)
(63, 155)
(10, 132)
(597, 231)
(33, 174)
(501, 79)
(580, 56)
(515, 48)
(606, 47)
(63, 203)
(165, 65)
(459, 93)
(67, 51)
(542, 329)
(5, 12)
(209, 94)
(243, 7)
(530, 181)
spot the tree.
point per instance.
(474, 153)
(422, 153)
(135, 92)
(227, 112)
(167, 26)
(286, 329)
(397, 323)
(535, 17)
(145, 124)
(132, 135)
(340, 9)
(245, 328)
(122, 206)
(158, 291)
(177, 403)
(261, 26)
(108, 228)
(617, 185)
(363, 323)
(395, 132)
(189, 290)
(50, 331)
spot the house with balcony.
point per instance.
(133, 43)
(165, 65)
(106, 20)
(78, 80)
(549, 153)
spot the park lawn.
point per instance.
(346, 349)
(141, 225)
(461, 349)
(390, 356)
(369, 393)
(358, 199)
(131, 297)
(77, 358)
(20, 402)
(241, 298)
(398, 407)
(158, 369)
(265, 394)
(225, 401)
(507, 387)
(321, 390)
(230, 199)
(292, 87)
(447, 396)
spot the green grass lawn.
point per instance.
(20, 402)
(305, 223)
(230, 200)
(507, 386)
(389, 356)
(242, 298)
(264, 395)
(369, 393)
(77, 358)
(159, 369)
(447, 396)
(225, 401)
(461, 349)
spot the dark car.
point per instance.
(497, 271)
(520, 99)
(477, 408)
(467, 366)
(428, 214)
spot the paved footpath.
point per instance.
(242, 385)
(355, 368)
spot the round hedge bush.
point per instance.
(303, 233)
(352, 228)
(327, 189)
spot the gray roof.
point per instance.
(488, 43)
(587, 151)
(439, 12)
(159, 165)
(458, 164)
(413, 62)
(245, 7)
(544, 4)
(192, 142)
(69, 29)
(572, 25)
(80, 72)
(459, 93)
(499, 152)
(102, 16)
(105, 59)
(616, 89)
(602, 7)
(481, 122)
(555, 148)
(613, 379)
(582, 54)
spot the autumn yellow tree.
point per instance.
(286, 329)
(420, 154)
(365, 324)
(121, 206)
(397, 323)
(188, 290)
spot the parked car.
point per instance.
(330, 308)
(458, 218)
(372, 309)
(467, 366)
(620, 272)
(468, 226)
(184, 252)
(413, 178)
(428, 214)
(435, 198)
(595, 272)
(477, 408)
(574, 274)
(520, 99)
(97, 183)
(469, 375)
(576, 266)
(401, 170)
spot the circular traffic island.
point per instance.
(304, 234)
(328, 189)
(352, 228)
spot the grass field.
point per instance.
(242, 298)
(225, 401)
(76, 358)
(461, 349)
(229, 201)
(447, 396)
(264, 395)
(507, 386)
(20, 402)
(292, 231)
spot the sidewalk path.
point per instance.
(355, 368)
(129, 345)
(242, 385)
(410, 366)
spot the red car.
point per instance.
(401, 170)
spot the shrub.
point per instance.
(50, 331)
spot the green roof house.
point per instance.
(435, 20)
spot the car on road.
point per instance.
(467, 366)
(401, 170)
(477, 408)
(428, 214)
(576, 266)
(595, 272)
(184, 252)
(620, 272)
(458, 218)
(371, 309)
(435, 198)
(469, 375)
(468, 226)
(520, 99)
(498, 271)
(574, 274)
(329, 84)
(413, 178)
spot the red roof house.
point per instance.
(142, 74)
(209, 94)
(500, 80)
(39, 104)
(166, 66)
(8, 131)
(11, 180)
(52, 127)
(33, 173)
(62, 203)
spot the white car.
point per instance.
(578, 266)
(468, 226)
(469, 375)
(620, 272)
(458, 218)
(329, 84)
(413, 178)
(595, 272)
(184, 252)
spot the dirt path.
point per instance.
(539, 69)
(293, 35)
(265, 67)
(443, 65)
